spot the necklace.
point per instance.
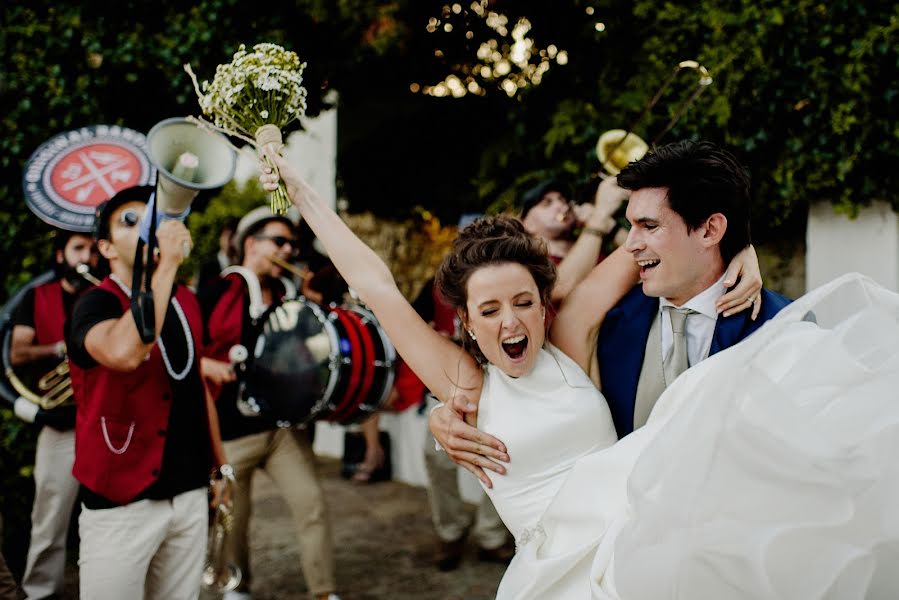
(184, 326)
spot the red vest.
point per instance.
(223, 328)
(49, 313)
(444, 315)
(122, 417)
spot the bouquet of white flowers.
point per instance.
(254, 97)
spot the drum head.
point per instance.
(293, 370)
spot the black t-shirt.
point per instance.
(187, 455)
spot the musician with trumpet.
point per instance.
(37, 346)
(265, 244)
(147, 431)
(548, 213)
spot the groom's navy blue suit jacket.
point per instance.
(622, 345)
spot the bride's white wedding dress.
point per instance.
(770, 470)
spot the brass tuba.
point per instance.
(616, 148)
(219, 575)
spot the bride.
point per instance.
(571, 503)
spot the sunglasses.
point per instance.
(130, 217)
(278, 240)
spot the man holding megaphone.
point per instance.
(146, 434)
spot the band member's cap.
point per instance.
(139, 193)
(533, 196)
(254, 220)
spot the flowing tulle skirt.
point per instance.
(771, 470)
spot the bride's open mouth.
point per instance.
(515, 346)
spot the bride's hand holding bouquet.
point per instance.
(255, 97)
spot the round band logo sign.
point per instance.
(71, 173)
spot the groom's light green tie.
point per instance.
(677, 361)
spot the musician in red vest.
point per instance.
(254, 440)
(37, 345)
(146, 433)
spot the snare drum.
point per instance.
(314, 363)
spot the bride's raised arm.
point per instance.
(576, 326)
(439, 363)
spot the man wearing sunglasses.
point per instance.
(146, 434)
(263, 239)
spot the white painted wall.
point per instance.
(868, 244)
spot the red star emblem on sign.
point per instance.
(93, 173)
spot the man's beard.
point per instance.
(71, 275)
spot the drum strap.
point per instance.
(256, 308)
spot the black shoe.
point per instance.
(449, 554)
(502, 554)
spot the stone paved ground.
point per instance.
(383, 543)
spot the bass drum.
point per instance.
(314, 363)
(373, 361)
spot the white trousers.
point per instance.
(145, 550)
(55, 491)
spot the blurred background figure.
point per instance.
(575, 235)
(37, 346)
(209, 269)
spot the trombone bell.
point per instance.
(615, 151)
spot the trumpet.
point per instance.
(85, 271)
(618, 147)
(219, 575)
(301, 273)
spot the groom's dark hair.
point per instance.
(702, 179)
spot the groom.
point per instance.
(689, 216)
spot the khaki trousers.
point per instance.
(286, 456)
(55, 492)
(145, 550)
(449, 512)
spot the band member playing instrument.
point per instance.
(263, 240)
(147, 432)
(37, 343)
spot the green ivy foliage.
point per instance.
(805, 92)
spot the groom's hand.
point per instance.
(466, 445)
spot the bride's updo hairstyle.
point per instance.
(492, 241)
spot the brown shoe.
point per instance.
(502, 554)
(449, 554)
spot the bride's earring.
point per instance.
(471, 335)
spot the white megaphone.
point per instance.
(188, 159)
